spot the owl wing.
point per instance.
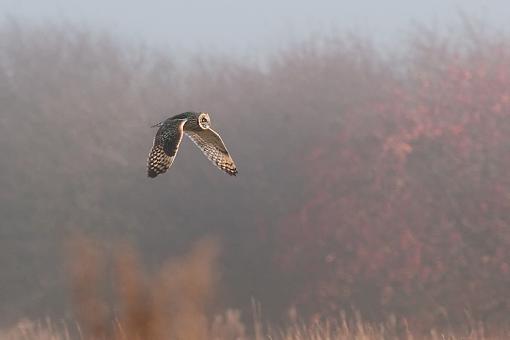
(166, 144)
(214, 149)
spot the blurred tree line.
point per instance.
(368, 181)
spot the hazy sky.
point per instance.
(239, 25)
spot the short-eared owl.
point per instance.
(197, 126)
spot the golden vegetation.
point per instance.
(169, 304)
(175, 302)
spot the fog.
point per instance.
(371, 179)
(254, 28)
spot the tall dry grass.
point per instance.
(175, 303)
(230, 327)
(171, 303)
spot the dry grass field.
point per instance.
(233, 329)
(175, 303)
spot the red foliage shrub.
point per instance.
(409, 211)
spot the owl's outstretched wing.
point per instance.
(166, 144)
(214, 149)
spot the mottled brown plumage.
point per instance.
(196, 125)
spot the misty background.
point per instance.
(370, 178)
(252, 29)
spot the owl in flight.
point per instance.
(197, 126)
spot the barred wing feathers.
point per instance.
(214, 149)
(166, 143)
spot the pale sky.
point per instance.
(244, 26)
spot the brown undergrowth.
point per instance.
(174, 303)
(169, 304)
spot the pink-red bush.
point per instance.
(409, 211)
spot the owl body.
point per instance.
(196, 125)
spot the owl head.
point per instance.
(204, 121)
